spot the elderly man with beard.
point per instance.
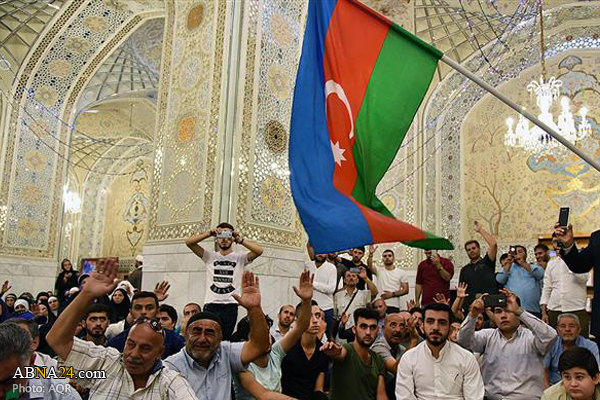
(224, 269)
(138, 370)
(358, 372)
(438, 368)
(512, 353)
(208, 362)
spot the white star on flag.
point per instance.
(338, 153)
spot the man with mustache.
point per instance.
(438, 368)
(138, 369)
(513, 353)
(207, 362)
(358, 372)
(389, 346)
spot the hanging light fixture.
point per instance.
(533, 139)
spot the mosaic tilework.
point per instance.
(188, 124)
(264, 207)
(455, 96)
(40, 94)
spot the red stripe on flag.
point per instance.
(352, 45)
(385, 229)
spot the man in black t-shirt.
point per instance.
(478, 274)
(303, 368)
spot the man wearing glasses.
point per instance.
(138, 369)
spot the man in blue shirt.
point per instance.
(524, 280)
(569, 328)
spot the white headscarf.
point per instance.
(22, 302)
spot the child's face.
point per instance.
(579, 384)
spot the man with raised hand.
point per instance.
(513, 353)
(224, 269)
(358, 372)
(138, 370)
(207, 361)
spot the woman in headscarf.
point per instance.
(10, 302)
(119, 304)
(54, 305)
(65, 280)
(22, 310)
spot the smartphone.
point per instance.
(563, 217)
(513, 250)
(354, 270)
(494, 300)
(225, 234)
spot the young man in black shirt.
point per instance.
(478, 274)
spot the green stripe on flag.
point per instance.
(396, 89)
(431, 242)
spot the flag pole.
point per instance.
(450, 62)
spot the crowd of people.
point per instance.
(519, 333)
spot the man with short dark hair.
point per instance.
(138, 369)
(351, 298)
(438, 368)
(145, 305)
(96, 320)
(523, 279)
(285, 318)
(580, 377)
(569, 329)
(355, 263)
(479, 273)
(224, 269)
(207, 361)
(433, 277)
(512, 353)
(541, 254)
(188, 310)
(391, 281)
(358, 373)
(564, 291)
(167, 315)
(303, 368)
(16, 353)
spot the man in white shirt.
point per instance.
(391, 281)
(224, 270)
(285, 319)
(438, 368)
(324, 286)
(351, 298)
(513, 353)
(564, 291)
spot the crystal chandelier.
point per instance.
(533, 139)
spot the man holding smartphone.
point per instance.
(224, 269)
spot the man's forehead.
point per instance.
(144, 301)
(205, 324)
(287, 308)
(395, 317)
(143, 333)
(97, 315)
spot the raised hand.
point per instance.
(331, 349)
(410, 304)
(5, 288)
(564, 235)
(344, 318)
(372, 248)
(305, 286)
(461, 289)
(362, 273)
(477, 307)
(103, 281)
(250, 297)
(441, 299)
(511, 302)
(161, 289)
(476, 226)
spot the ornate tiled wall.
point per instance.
(48, 84)
(447, 116)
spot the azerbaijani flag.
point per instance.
(360, 82)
